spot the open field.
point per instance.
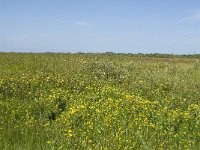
(99, 101)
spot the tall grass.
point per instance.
(99, 101)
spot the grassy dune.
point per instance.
(99, 101)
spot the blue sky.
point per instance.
(130, 26)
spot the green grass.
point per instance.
(99, 101)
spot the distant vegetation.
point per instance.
(99, 101)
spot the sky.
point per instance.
(121, 26)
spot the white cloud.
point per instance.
(78, 23)
(193, 14)
(82, 23)
(194, 32)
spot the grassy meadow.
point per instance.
(99, 101)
